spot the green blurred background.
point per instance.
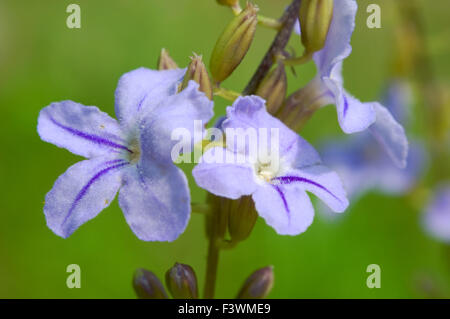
(41, 61)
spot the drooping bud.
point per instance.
(233, 43)
(273, 88)
(197, 72)
(182, 282)
(258, 285)
(242, 218)
(165, 62)
(147, 285)
(315, 18)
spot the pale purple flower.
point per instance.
(370, 160)
(132, 154)
(278, 191)
(436, 219)
(327, 86)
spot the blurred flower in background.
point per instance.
(436, 218)
(365, 164)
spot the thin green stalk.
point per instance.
(211, 269)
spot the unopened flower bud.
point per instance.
(147, 285)
(233, 43)
(230, 3)
(182, 282)
(258, 285)
(315, 19)
(273, 88)
(197, 72)
(242, 218)
(165, 62)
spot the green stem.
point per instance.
(269, 22)
(306, 57)
(211, 269)
(276, 48)
(226, 94)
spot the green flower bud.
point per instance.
(165, 62)
(273, 88)
(233, 43)
(315, 19)
(197, 72)
(182, 282)
(242, 218)
(147, 285)
(258, 285)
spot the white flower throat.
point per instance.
(268, 169)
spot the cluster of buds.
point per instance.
(233, 219)
(182, 284)
(180, 281)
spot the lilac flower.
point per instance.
(132, 154)
(436, 219)
(278, 189)
(327, 87)
(372, 161)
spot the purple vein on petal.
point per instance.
(293, 179)
(86, 187)
(345, 105)
(141, 102)
(283, 198)
(94, 138)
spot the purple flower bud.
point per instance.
(147, 285)
(258, 285)
(182, 282)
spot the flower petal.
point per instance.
(337, 45)
(353, 115)
(144, 88)
(83, 130)
(249, 112)
(224, 178)
(321, 181)
(179, 111)
(81, 193)
(285, 208)
(390, 134)
(155, 201)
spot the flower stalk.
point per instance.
(277, 47)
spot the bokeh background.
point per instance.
(41, 61)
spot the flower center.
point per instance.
(135, 151)
(266, 171)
